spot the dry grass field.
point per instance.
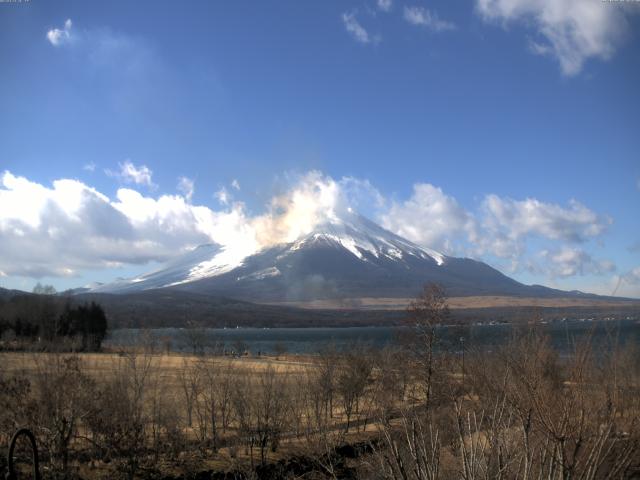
(171, 365)
(463, 303)
(511, 413)
(181, 386)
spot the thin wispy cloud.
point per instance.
(130, 173)
(630, 278)
(187, 187)
(385, 5)
(633, 276)
(223, 196)
(60, 36)
(423, 17)
(571, 31)
(89, 167)
(356, 30)
(127, 69)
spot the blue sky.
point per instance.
(505, 130)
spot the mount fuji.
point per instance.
(345, 257)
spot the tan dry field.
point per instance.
(461, 303)
(170, 365)
(168, 369)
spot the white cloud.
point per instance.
(129, 173)
(518, 218)
(69, 226)
(356, 30)
(633, 276)
(506, 226)
(62, 229)
(572, 31)
(313, 199)
(89, 167)
(425, 18)
(58, 230)
(186, 186)
(429, 218)
(385, 5)
(60, 36)
(502, 227)
(628, 284)
(223, 196)
(569, 262)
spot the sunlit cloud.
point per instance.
(429, 218)
(70, 226)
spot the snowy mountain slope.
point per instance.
(345, 257)
(192, 265)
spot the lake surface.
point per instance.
(563, 336)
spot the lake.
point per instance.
(563, 335)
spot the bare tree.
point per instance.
(196, 339)
(352, 378)
(213, 403)
(16, 403)
(260, 408)
(119, 424)
(326, 378)
(425, 313)
(411, 449)
(537, 416)
(189, 378)
(61, 388)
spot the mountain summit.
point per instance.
(346, 257)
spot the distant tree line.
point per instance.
(46, 319)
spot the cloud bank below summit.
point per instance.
(62, 229)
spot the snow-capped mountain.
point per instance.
(345, 257)
(192, 265)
